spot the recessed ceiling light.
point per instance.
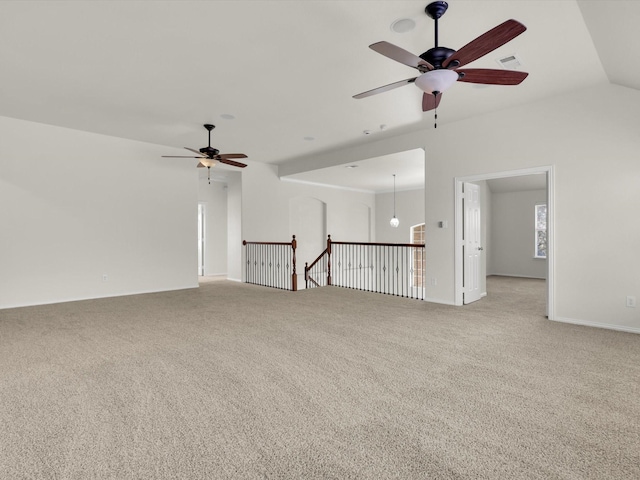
(351, 166)
(309, 139)
(403, 25)
(227, 116)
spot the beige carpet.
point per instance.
(236, 381)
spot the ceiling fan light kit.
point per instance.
(439, 66)
(436, 81)
(207, 162)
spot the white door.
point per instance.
(472, 243)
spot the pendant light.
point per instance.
(394, 222)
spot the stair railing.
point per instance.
(271, 264)
(390, 268)
(318, 273)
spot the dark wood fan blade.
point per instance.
(491, 77)
(232, 163)
(430, 101)
(386, 88)
(485, 43)
(231, 155)
(196, 151)
(172, 156)
(401, 55)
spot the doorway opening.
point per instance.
(483, 248)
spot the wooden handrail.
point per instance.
(415, 245)
(309, 267)
(244, 242)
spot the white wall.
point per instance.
(486, 216)
(591, 139)
(265, 209)
(265, 204)
(214, 198)
(409, 211)
(513, 233)
(76, 206)
(234, 227)
(308, 222)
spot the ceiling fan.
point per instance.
(209, 156)
(439, 66)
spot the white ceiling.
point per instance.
(373, 175)
(156, 71)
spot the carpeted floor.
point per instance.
(236, 381)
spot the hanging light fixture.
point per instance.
(394, 222)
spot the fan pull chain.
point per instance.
(435, 109)
(209, 174)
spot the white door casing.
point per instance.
(201, 238)
(472, 242)
(459, 214)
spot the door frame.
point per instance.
(202, 237)
(458, 229)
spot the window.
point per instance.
(540, 231)
(418, 260)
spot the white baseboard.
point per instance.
(585, 323)
(96, 297)
(234, 279)
(512, 275)
(436, 300)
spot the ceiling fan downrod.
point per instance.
(209, 127)
(436, 55)
(435, 10)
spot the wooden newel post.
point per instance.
(294, 276)
(328, 259)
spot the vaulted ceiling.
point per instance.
(277, 77)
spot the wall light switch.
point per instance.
(631, 301)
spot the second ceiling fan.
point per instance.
(439, 67)
(209, 156)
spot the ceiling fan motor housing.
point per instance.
(209, 151)
(435, 56)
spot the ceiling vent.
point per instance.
(510, 62)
